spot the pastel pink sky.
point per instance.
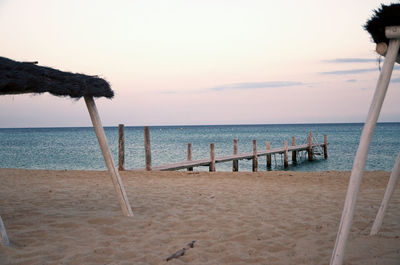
(199, 62)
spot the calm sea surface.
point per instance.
(77, 148)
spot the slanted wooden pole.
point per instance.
(294, 153)
(285, 155)
(212, 158)
(101, 137)
(310, 152)
(3, 233)
(147, 149)
(362, 151)
(255, 160)
(391, 186)
(121, 147)
(325, 146)
(269, 156)
(189, 155)
(235, 163)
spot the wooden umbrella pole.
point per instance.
(392, 183)
(362, 151)
(101, 137)
(3, 233)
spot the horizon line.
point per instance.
(198, 125)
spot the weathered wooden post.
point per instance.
(310, 153)
(285, 156)
(269, 156)
(101, 137)
(391, 186)
(212, 158)
(235, 163)
(294, 153)
(189, 155)
(393, 33)
(325, 146)
(121, 147)
(255, 161)
(3, 233)
(147, 147)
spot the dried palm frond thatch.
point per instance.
(26, 77)
(386, 15)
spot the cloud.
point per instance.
(237, 86)
(355, 71)
(395, 80)
(349, 72)
(351, 80)
(255, 85)
(351, 60)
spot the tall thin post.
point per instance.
(391, 186)
(212, 158)
(147, 147)
(235, 163)
(121, 147)
(310, 152)
(362, 152)
(269, 156)
(3, 233)
(294, 153)
(101, 137)
(285, 161)
(255, 160)
(325, 146)
(189, 155)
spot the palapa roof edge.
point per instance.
(384, 16)
(24, 77)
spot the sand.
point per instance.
(73, 217)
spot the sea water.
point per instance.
(77, 148)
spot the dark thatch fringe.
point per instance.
(25, 77)
(386, 15)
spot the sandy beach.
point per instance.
(73, 217)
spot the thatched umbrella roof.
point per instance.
(386, 15)
(25, 77)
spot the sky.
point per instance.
(202, 62)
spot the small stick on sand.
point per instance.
(181, 252)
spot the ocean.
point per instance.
(77, 148)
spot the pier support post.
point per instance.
(325, 146)
(212, 158)
(235, 163)
(3, 233)
(309, 151)
(294, 153)
(101, 137)
(121, 148)
(285, 161)
(255, 160)
(147, 147)
(269, 156)
(189, 155)
(362, 152)
(391, 186)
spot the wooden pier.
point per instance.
(248, 156)
(309, 149)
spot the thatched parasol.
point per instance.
(383, 17)
(384, 28)
(27, 77)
